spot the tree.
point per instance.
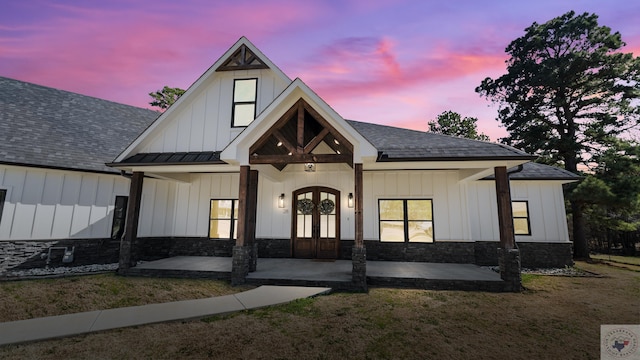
(452, 123)
(567, 92)
(616, 221)
(165, 97)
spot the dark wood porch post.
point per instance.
(240, 263)
(359, 240)
(250, 232)
(358, 253)
(126, 260)
(242, 205)
(508, 254)
(505, 215)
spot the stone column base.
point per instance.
(359, 270)
(509, 261)
(240, 265)
(253, 261)
(126, 259)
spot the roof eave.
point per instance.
(384, 158)
(61, 168)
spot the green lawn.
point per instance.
(631, 260)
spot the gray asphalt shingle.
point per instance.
(47, 127)
(397, 144)
(535, 171)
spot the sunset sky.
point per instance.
(392, 62)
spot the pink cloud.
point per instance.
(363, 79)
(110, 53)
(369, 66)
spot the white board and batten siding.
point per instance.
(182, 209)
(547, 215)
(190, 214)
(203, 123)
(274, 222)
(461, 211)
(442, 187)
(45, 204)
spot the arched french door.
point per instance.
(315, 229)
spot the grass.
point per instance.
(49, 297)
(555, 318)
(629, 260)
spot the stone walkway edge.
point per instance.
(82, 323)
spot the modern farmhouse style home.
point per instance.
(251, 164)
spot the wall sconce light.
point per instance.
(281, 201)
(350, 200)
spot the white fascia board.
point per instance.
(477, 165)
(237, 152)
(195, 88)
(546, 181)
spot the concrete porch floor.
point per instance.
(336, 274)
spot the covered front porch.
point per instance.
(268, 158)
(335, 274)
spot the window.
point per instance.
(520, 210)
(3, 196)
(119, 217)
(244, 101)
(223, 219)
(406, 220)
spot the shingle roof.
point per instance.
(535, 171)
(42, 126)
(397, 144)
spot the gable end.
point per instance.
(242, 59)
(293, 138)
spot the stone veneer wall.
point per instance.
(33, 253)
(28, 254)
(438, 252)
(483, 253)
(157, 248)
(532, 254)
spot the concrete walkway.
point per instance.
(82, 323)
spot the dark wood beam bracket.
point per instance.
(289, 131)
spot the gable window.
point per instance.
(521, 224)
(223, 219)
(244, 101)
(119, 217)
(3, 196)
(406, 220)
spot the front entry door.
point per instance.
(316, 223)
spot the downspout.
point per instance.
(519, 169)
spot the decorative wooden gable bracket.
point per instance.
(294, 137)
(242, 59)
